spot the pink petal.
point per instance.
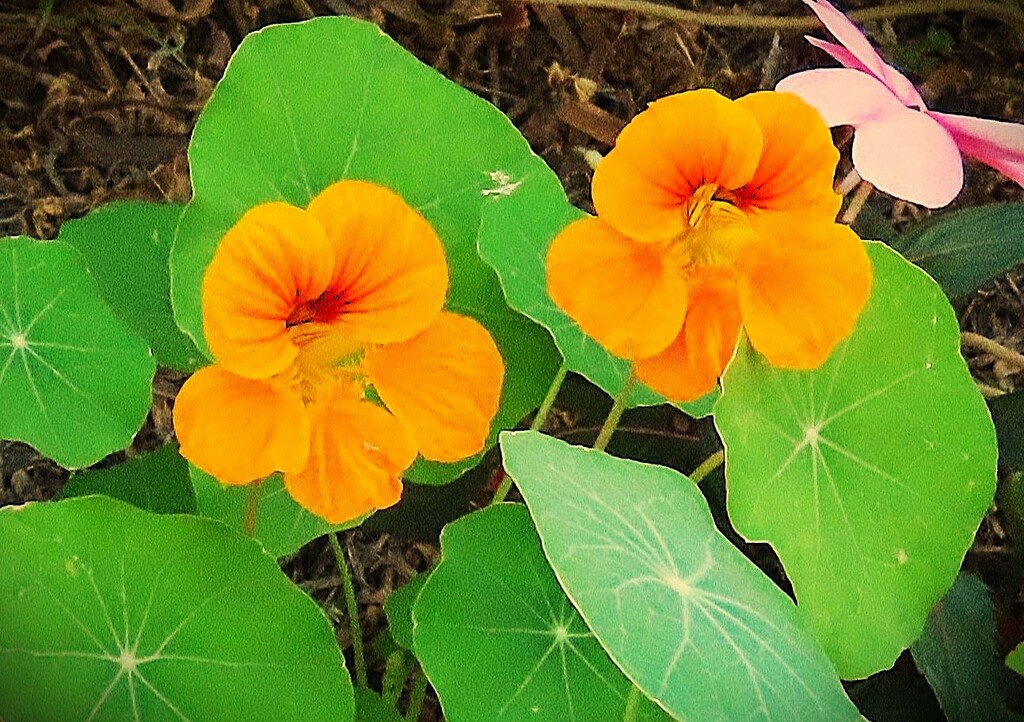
(859, 55)
(907, 154)
(848, 35)
(843, 96)
(995, 143)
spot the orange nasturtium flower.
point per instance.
(335, 362)
(713, 214)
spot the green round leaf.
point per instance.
(499, 640)
(304, 105)
(112, 613)
(398, 608)
(516, 230)
(157, 482)
(870, 474)
(683, 613)
(126, 245)
(74, 379)
(963, 249)
(957, 654)
(282, 526)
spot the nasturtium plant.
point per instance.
(963, 249)
(957, 654)
(869, 475)
(280, 524)
(74, 378)
(683, 613)
(157, 481)
(303, 106)
(113, 613)
(126, 246)
(516, 229)
(498, 638)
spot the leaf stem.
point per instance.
(252, 507)
(993, 348)
(352, 609)
(1004, 12)
(707, 466)
(860, 197)
(538, 422)
(615, 414)
(632, 704)
(416, 696)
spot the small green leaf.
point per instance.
(963, 249)
(870, 474)
(1015, 659)
(398, 608)
(157, 482)
(682, 612)
(499, 640)
(371, 707)
(126, 245)
(957, 654)
(282, 526)
(516, 230)
(113, 613)
(1008, 417)
(74, 379)
(306, 104)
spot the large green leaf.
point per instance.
(963, 249)
(957, 654)
(74, 379)
(498, 638)
(304, 105)
(282, 526)
(682, 612)
(108, 612)
(516, 230)
(869, 475)
(157, 481)
(126, 245)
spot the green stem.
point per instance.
(352, 609)
(707, 466)
(416, 697)
(252, 507)
(632, 704)
(538, 422)
(615, 414)
(1004, 12)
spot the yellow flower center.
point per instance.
(326, 357)
(716, 231)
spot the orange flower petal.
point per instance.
(238, 429)
(356, 459)
(799, 159)
(443, 385)
(622, 293)
(390, 267)
(801, 289)
(665, 153)
(691, 365)
(273, 259)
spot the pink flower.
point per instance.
(900, 146)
